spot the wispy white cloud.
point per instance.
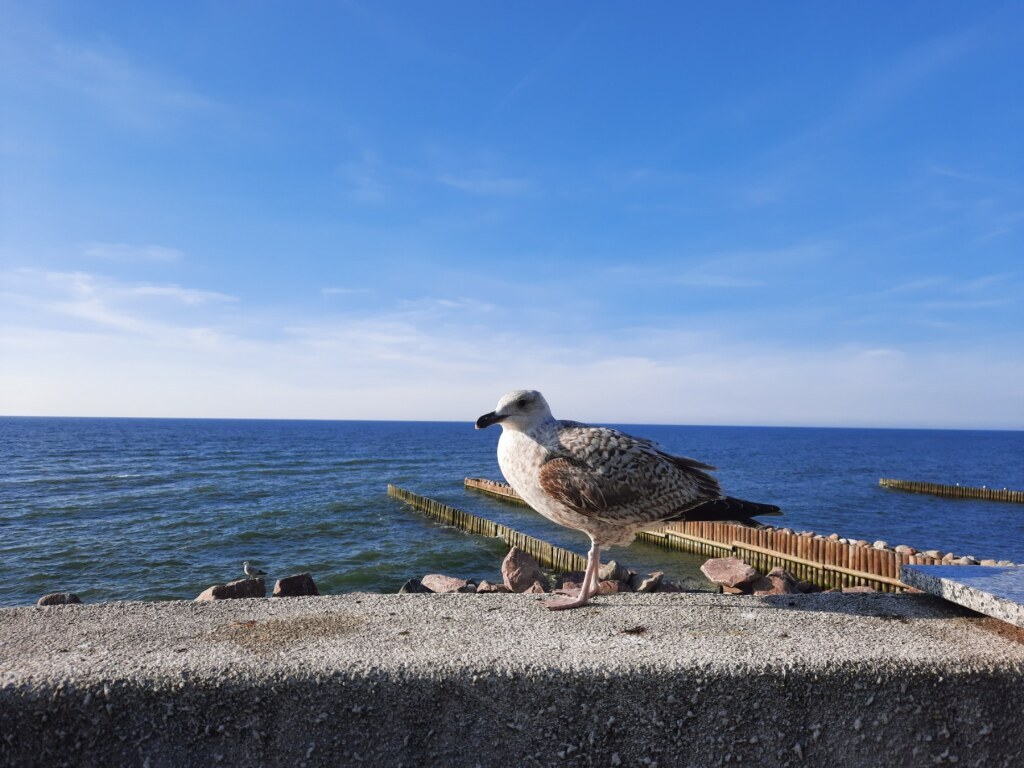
(103, 77)
(177, 293)
(383, 367)
(366, 179)
(335, 290)
(43, 296)
(485, 185)
(737, 268)
(124, 252)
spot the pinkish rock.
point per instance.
(519, 570)
(537, 588)
(778, 581)
(903, 549)
(650, 584)
(858, 590)
(570, 580)
(234, 590)
(437, 582)
(486, 586)
(59, 598)
(611, 587)
(733, 590)
(728, 571)
(297, 585)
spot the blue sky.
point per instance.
(747, 213)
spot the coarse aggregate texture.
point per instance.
(995, 591)
(496, 680)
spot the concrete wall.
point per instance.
(495, 680)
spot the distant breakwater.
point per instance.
(953, 491)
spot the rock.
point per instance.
(650, 584)
(805, 587)
(297, 585)
(858, 590)
(59, 598)
(537, 588)
(728, 571)
(903, 549)
(669, 586)
(880, 544)
(833, 537)
(948, 558)
(965, 560)
(862, 543)
(486, 586)
(234, 590)
(612, 571)
(778, 582)
(733, 590)
(570, 580)
(437, 582)
(519, 570)
(1005, 563)
(934, 554)
(989, 561)
(611, 587)
(570, 587)
(414, 587)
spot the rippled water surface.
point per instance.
(162, 508)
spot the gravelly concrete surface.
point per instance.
(495, 680)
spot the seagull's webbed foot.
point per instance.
(565, 603)
(587, 589)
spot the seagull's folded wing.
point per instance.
(583, 490)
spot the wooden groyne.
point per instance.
(953, 491)
(826, 561)
(503, 491)
(545, 553)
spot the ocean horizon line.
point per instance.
(327, 420)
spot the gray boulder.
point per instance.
(59, 598)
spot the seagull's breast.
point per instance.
(520, 457)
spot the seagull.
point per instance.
(602, 481)
(252, 573)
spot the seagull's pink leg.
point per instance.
(589, 583)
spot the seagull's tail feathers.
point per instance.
(728, 509)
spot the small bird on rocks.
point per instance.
(602, 481)
(252, 573)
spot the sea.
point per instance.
(160, 509)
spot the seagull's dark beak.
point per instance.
(487, 419)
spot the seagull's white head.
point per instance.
(521, 409)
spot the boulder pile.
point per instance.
(736, 577)
(520, 573)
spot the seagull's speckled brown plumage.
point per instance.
(600, 480)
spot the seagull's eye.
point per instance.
(521, 402)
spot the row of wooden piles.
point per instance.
(545, 553)
(826, 561)
(953, 491)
